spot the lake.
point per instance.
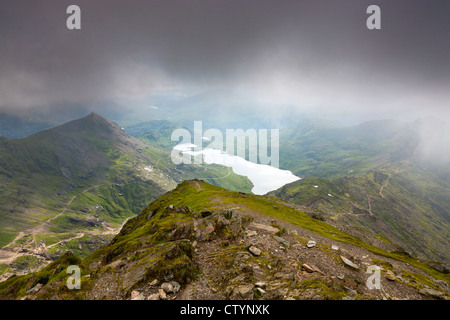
(265, 178)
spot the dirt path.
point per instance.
(78, 236)
(381, 194)
(22, 250)
(19, 236)
(42, 228)
(11, 258)
(62, 212)
(384, 185)
(369, 205)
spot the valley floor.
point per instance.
(39, 250)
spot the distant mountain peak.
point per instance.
(91, 123)
(93, 126)
(95, 116)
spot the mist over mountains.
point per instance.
(316, 57)
(86, 170)
(310, 148)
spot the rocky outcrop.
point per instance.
(180, 253)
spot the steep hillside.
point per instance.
(150, 126)
(388, 177)
(409, 207)
(199, 241)
(72, 186)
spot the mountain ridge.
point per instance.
(388, 173)
(103, 176)
(333, 151)
(72, 187)
(203, 242)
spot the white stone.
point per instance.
(311, 243)
(254, 250)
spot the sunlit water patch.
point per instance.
(265, 178)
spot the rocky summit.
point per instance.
(200, 241)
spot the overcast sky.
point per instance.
(311, 54)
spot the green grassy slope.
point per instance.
(91, 171)
(200, 196)
(410, 209)
(144, 240)
(385, 176)
(313, 148)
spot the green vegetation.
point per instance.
(17, 286)
(3, 268)
(324, 289)
(372, 176)
(356, 176)
(380, 237)
(94, 174)
(418, 280)
(384, 264)
(6, 237)
(26, 262)
(282, 230)
(313, 148)
(158, 242)
(199, 195)
(50, 239)
(399, 208)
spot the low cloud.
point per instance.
(433, 142)
(312, 55)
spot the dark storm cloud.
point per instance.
(306, 53)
